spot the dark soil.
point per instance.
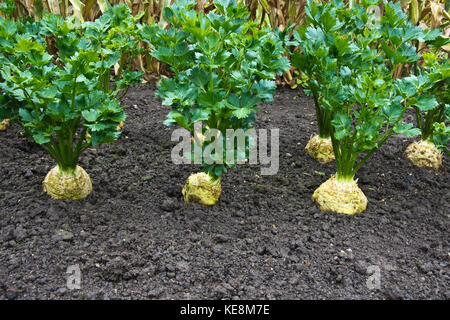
(134, 237)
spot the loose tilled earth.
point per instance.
(134, 237)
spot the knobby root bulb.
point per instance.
(74, 185)
(4, 124)
(320, 149)
(341, 197)
(199, 188)
(424, 154)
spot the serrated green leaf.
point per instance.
(342, 124)
(242, 113)
(90, 115)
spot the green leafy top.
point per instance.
(434, 123)
(223, 66)
(115, 36)
(57, 92)
(348, 63)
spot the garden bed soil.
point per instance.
(135, 238)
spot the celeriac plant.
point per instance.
(439, 74)
(352, 80)
(223, 65)
(8, 31)
(115, 35)
(393, 36)
(432, 121)
(441, 131)
(60, 101)
(315, 64)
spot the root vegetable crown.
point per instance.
(320, 149)
(71, 185)
(341, 196)
(424, 154)
(4, 124)
(200, 188)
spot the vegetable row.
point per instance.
(62, 80)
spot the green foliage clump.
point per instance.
(348, 59)
(55, 79)
(223, 65)
(433, 122)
